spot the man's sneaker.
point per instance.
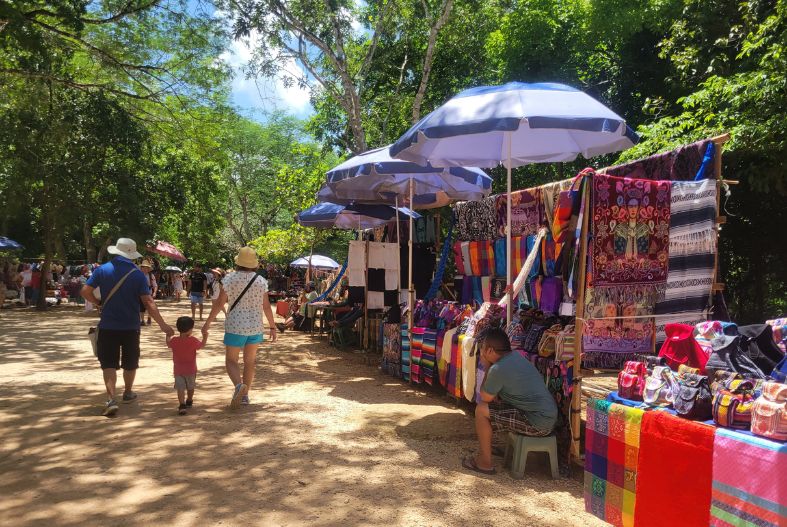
(240, 391)
(189, 403)
(245, 400)
(129, 397)
(182, 409)
(110, 409)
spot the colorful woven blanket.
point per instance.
(749, 481)
(527, 212)
(518, 247)
(405, 352)
(429, 356)
(673, 452)
(416, 351)
(454, 375)
(612, 439)
(692, 249)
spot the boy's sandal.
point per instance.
(469, 464)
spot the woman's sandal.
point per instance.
(469, 464)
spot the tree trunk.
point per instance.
(90, 247)
(445, 11)
(103, 252)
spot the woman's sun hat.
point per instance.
(247, 257)
(146, 263)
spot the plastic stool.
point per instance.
(519, 446)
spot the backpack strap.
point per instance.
(253, 279)
(117, 286)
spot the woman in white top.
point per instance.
(177, 285)
(243, 327)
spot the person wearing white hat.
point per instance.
(123, 286)
(247, 295)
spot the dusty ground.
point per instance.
(327, 441)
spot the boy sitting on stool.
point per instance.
(514, 399)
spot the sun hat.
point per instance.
(217, 271)
(125, 247)
(247, 257)
(146, 263)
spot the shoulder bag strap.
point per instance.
(253, 279)
(117, 286)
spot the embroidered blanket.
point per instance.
(612, 438)
(673, 450)
(476, 220)
(630, 225)
(749, 484)
(681, 164)
(692, 249)
(527, 212)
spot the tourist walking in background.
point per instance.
(123, 285)
(214, 289)
(198, 287)
(247, 295)
(177, 285)
(147, 269)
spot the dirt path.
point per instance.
(327, 441)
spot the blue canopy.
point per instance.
(9, 244)
(514, 124)
(376, 177)
(327, 215)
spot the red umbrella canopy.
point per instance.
(168, 250)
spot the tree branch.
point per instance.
(429, 57)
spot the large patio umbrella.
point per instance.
(168, 250)
(514, 124)
(315, 260)
(359, 216)
(9, 244)
(376, 177)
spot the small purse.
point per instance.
(684, 370)
(548, 343)
(533, 336)
(732, 404)
(769, 412)
(660, 387)
(565, 344)
(694, 399)
(631, 380)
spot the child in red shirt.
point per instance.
(184, 357)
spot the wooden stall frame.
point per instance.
(575, 417)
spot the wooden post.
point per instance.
(719, 143)
(365, 326)
(575, 415)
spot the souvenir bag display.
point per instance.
(651, 362)
(631, 380)
(769, 412)
(534, 333)
(684, 370)
(722, 378)
(758, 343)
(548, 343)
(694, 399)
(732, 404)
(680, 347)
(780, 371)
(565, 344)
(660, 387)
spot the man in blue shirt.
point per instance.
(514, 399)
(118, 329)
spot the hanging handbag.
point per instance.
(548, 343)
(551, 294)
(680, 347)
(660, 387)
(732, 405)
(565, 344)
(728, 355)
(92, 333)
(631, 380)
(769, 412)
(694, 399)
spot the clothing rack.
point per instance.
(575, 417)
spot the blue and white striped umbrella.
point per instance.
(9, 244)
(376, 177)
(514, 124)
(358, 216)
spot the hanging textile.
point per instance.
(336, 282)
(392, 349)
(406, 359)
(692, 249)
(519, 248)
(749, 488)
(476, 220)
(612, 439)
(438, 276)
(549, 197)
(673, 449)
(681, 164)
(469, 366)
(424, 229)
(424, 262)
(429, 356)
(444, 359)
(356, 264)
(526, 212)
(527, 268)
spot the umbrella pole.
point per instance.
(508, 230)
(411, 291)
(398, 244)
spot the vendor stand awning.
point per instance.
(358, 216)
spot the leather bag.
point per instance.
(728, 355)
(758, 343)
(694, 399)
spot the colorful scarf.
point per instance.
(630, 224)
(673, 450)
(692, 249)
(681, 164)
(454, 378)
(527, 212)
(612, 438)
(749, 483)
